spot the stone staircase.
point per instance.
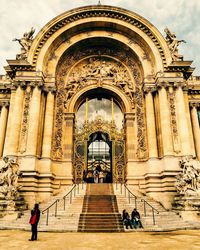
(164, 221)
(65, 220)
(100, 211)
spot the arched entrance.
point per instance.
(99, 157)
(99, 141)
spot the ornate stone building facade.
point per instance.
(99, 53)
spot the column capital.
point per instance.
(181, 84)
(149, 88)
(194, 104)
(49, 89)
(36, 84)
(129, 116)
(4, 104)
(16, 84)
(162, 84)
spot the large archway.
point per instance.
(99, 138)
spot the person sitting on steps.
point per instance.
(135, 219)
(126, 219)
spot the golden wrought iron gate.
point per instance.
(117, 139)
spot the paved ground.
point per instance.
(18, 240)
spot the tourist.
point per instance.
(96, 176)
(101, 176)
(35, 217)
(126, 219)
(135, 218)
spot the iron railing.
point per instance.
(131, 195)
(72, 193)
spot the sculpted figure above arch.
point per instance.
(99, 70)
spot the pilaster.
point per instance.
(196, 129)
(150, 119)
(3, 124)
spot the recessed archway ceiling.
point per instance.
(107, 18)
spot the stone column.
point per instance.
(34, 115)
(151, 127)
(196, 130)
(165, 121)
(16, 109)
(3, 123)
(130, 135)
(182, 121)
(68, 140)
(48, 124)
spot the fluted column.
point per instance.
(182, 121)
(165, 121)
(12, 143)
(196, 130)
(3, 123)
(48, 124)
(151, 127)
(34, 115)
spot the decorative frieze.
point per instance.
(25, 119)
(173, 118)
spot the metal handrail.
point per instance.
(142, 200)
(153, 209)
(57, 200)
(130, 193)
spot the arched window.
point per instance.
(103, 108)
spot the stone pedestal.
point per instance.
(12, 209)
(187, 206)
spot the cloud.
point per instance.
(180, 16)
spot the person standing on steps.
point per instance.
(96, 176)
(135, 218)
(35, 217)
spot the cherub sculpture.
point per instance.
(25, 42)
(173, 44)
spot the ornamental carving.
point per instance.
(118, 154)
(106, 74)
(100, 70)
(174, 126)
(25, 43)
(173, 44)
(188, 181)
(25, 120)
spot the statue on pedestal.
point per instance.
(188, 181)
(9, 174)
(173, 44)
(25, 42)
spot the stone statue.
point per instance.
(9, 174)
(25, 42)
(188, 181)
(173, 44)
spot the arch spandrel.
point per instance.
(113, 15)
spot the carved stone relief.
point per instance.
(98, 69)
(172, 107)
(25, 120)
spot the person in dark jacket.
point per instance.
(35, 217)
(135, 218)
(126, 219)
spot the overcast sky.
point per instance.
(180, 16)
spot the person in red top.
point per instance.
(35, 217)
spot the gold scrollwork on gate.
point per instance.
(117, 138)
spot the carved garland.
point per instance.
(172, 106)
(25, 120)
